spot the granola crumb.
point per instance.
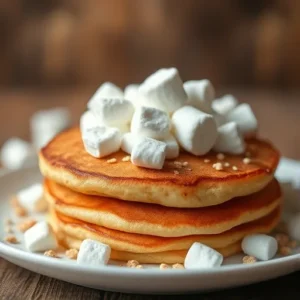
(51, 253)
(139, 267)
(25, 225)
(185, 164)
(126, 158)
(246, 160)
(72, 253)
(227, 164)
(164, 266)
(220, 156)
(176, 172)
(285, 250)
(206, 161)
(132, 263)
(11, 239)
(248, 259)
(234, 168)
(282, 239)
(177, 266)
(111, 161)
(218, 166)
(292, 244)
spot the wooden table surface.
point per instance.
(279, 120)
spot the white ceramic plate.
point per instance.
(150, 279)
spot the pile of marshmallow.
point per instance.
(151, 121)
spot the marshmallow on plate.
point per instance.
(224, 104)
(195, 131)
(261, 246)
(201, 256)
(229, 139)
(131, 94)
(31, 197)
(294, 226)
(88, 121)
(200, 94)
(163, 90)
(244, 117)
(150, 122)
(16, 154)
(40, 237)
(101, 141)
(93, 253)
(149, 153)
(106, 90)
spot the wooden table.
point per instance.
(279, 120)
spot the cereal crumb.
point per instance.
(292, 244)
(285, 250)
(164, 266)
(185, 164)
(220, 156)
(11, 239)
(25, 225)
(234, 168)
(218, 166)
(72, 253)
(178, 266)
(111, 161)
(139, 267)
(282, 239)
(227, 164)
(249, 259)
(176, 172)
(246, 160)
(206, 161)
(132, 263)
(126, 158)
(50, 253)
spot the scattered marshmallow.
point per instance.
(93, 253)
(200, 94)
(229, 139)
(101, 141)
(201, 256)
(244, 117)
(261, 246)
(150, 122)
(294, 226)
(163, 90)
(224, 104)
(149, 153)
(31, 197)
(106, 90)
(172, 150)
(195, 131)
(16, 154)
(40, 237)
(88, 121)
(131, 94)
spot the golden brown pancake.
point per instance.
(138, 243)
(65, 161)
(160, 220)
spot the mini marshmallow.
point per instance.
(131, 94)
(150, 122)
(224, 104)
(88, 121)
(163, 90)
(40, 237)
(30, 197)
(200, 94)
(149, 153)
(294, 226)
(201, 256)
(101, 141)
(106, 90)
(93, 253)
(261, 246)
(112, 111)
(195, 131)
(229, 139)
(17, 153)
(172, 150)
(244, 117)
(220, 119)
(128, 141)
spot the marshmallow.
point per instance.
(224, 104)
(101, 141)
(16, 154)
(131, 94)
(149, 153)
(163, 90)
(106, 90)
(294, 226)
(112, 111)
(261, 246)
(172, 150)
(128, 141)
(195, 131)
(88, 121)
(40, 237)
(220, 119)
(46, 124)
(244, 117)
(93, 253)
(229, 139)
(201, 256)
(150, 122)
(31, 197)
(200, 94)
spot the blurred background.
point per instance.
(56, 53)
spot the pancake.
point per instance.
(152, 219)
(138, 243)
(65, 161)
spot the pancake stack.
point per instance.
(154, 216)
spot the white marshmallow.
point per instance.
(163, 90)
(220, 119)
(30, 197)
(101, 141)
(244, 117)
(16, 154)
(261, 246)
(229, 139)
(200, 94)
(294, 226)
(88, 121)
(112, 111)
(150, 122)
(172, 150)
(149, 153)
(40, 237)
(224, 104)
(195, 131)
(128, 141)
(93, 253)
(201, 256)
(106, 90)
(131, 93)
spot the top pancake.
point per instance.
(65, 161)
